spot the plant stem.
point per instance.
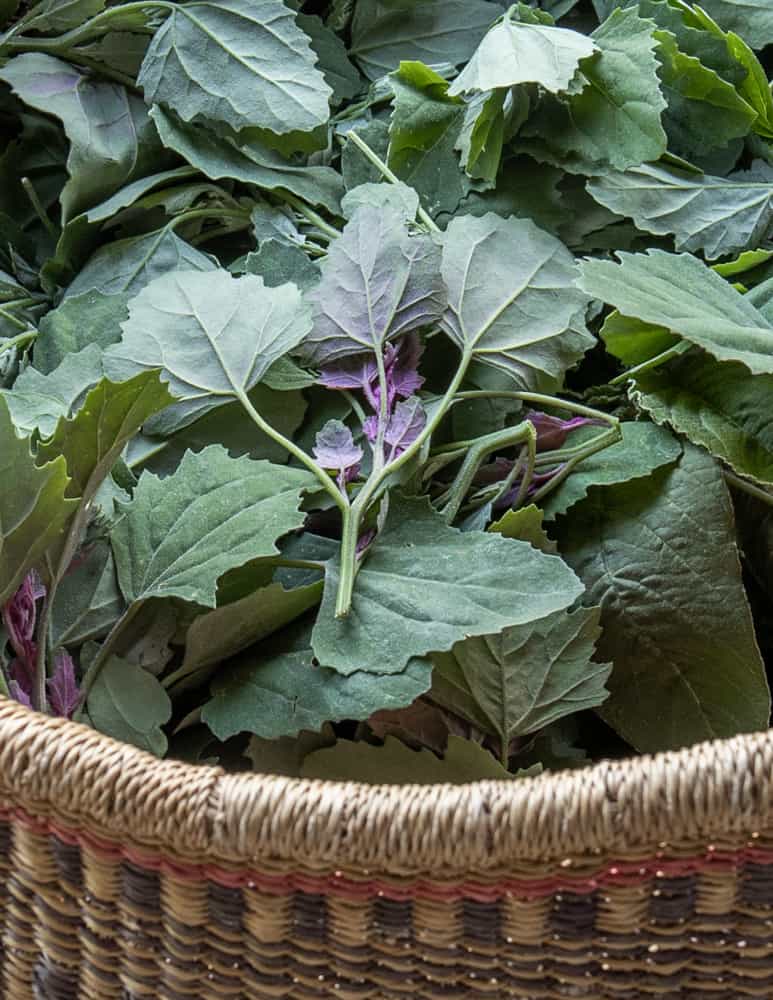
(39, 693)
(541, 400)
(36, 203)
(97, 25)
(340, 499)
(4, 691)
(743, 484)
(313, 217)
(388, 175)
(103, 655)
(352, 400)
(598, 443)
(352, 522)
(531, 461)
(645, 366)
(383, 414)
(22, 337)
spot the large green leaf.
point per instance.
(717, 405)
(515, 52)
(378, 281)
(252, 163)
(680, 293)
(283, 694)
(38, 402)
(219, 634)
(126, 266)
(34, 511)
(396, 764)
(179, 535)
(659, 556)
(615, 120)
(88, 601)
(92, 440)
(718, 215)
(236, 62)
(213, 336)
(751, 18)
(434, 31)
(425, 586)
(89, 318)
(512, 299)
(644, 448)
(112, 140)
(705, 112)
(529, 676)
(423, 134)
(130, 704)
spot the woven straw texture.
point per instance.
(125, 878)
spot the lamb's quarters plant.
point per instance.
(386, 387)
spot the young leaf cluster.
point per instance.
(385, 387)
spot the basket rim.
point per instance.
(66, 773)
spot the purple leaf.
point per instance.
(63, 691)
(19, 694)
(370, 427)
(401, 361)
(406, 424)
(334, 448)
(553, 431)
(20, 614)
(351, 373)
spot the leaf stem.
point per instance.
(105, 650)
(340, 499)
(654, 362)
(383, 413)
(388, 175)
(541, 400)
(97, 25)
(311, 216)
(36, 203)
(22, 338)
(743, 484)
(596, 444)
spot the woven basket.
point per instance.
(122, 877)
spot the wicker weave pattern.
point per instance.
(123, 878)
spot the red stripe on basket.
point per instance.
(336, 883)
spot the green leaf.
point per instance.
(447, 584)
(423, 133)
(58, 16)
(482, 135)
(34, 511)
(717, 215)
(396, 764)
(752, 18)
(278, 262)
(705, 112)
(92, 440)
(659, 556)
(529, 676)
(38, 402)
(255, 163)
(615, 120)
(643, 449)
(180, 534)
(215, 636)
(678, 292)
(716, 405)
(229, 425)
(378, 282)
(285, 755)
(512, 297)
(213, 336)
(126, 266)
(434, 31)
(87, 601)
(283, 694)
(632, 341)
(340, 75)
(514, 52)
(112, 140)
(236, 62)
(526, 525)
(129, 704)
(89, 318)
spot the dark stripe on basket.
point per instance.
(226, 906)
(756, 887)
(68, 861)
(673, 899)
(573, 915)
(482, 921)
(141, 887)
(393, 917)
(309, 915)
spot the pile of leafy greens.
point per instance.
(386, 386)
